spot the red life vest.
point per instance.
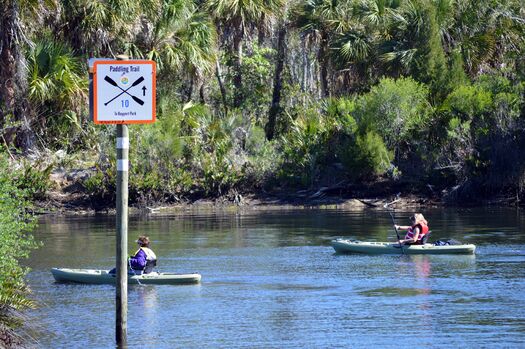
(423, 230)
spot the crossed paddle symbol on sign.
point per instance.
(112, 82)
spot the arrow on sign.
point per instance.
(112, 82)
(144, 90)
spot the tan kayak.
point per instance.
(94, 276)
(352, 246)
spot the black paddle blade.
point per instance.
(138, 81)
(138, 100)
(110, 80)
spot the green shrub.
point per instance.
(257, 75)
(305, 147)
(484, 135)
(366, 157)
(34, 179)
(342, 110)
(15, 227)
(101, 186)
(394, 109)
(264, 158)
(468, 101)
(217, 175)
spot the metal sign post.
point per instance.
(123, 93)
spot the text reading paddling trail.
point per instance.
(122, 69)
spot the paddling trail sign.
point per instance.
(124, 91)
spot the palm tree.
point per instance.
(487, 42)
(414, 45)
(10, 51)
(320, 21)
(101, 28)
(237, 19)
(55, 75)
(353, 50)
(397, 49)
(181, 39)
(275, 107)
(57, 89)
(13, 39)
(377, 14)
(426, 25)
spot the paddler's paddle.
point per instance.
(394, 222)
(397, 233)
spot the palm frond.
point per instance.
(55, 75)
(404, 57)
(353, 46)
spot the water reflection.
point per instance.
(144, 303)
(422, 266)
(145, 297)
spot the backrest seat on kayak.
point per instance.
(425, 238)
(147, 269)
(149, 266)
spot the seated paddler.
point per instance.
(417, 232)
(144, 260)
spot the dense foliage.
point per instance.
(15, 225)
(257, 95)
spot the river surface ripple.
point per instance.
(270, 279)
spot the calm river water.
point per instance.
(270, 279)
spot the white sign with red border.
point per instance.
(124, 92)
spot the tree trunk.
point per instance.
(322, 57)
(13, 101)
(190, 88)
(261, 31)
(306, 66)
(275, 108)
(202, 93)
(9, 54)
(237, 66)
(218, 74)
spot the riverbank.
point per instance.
(65, 189)
(67, 195)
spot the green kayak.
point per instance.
(352, 246)
(92, 276)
